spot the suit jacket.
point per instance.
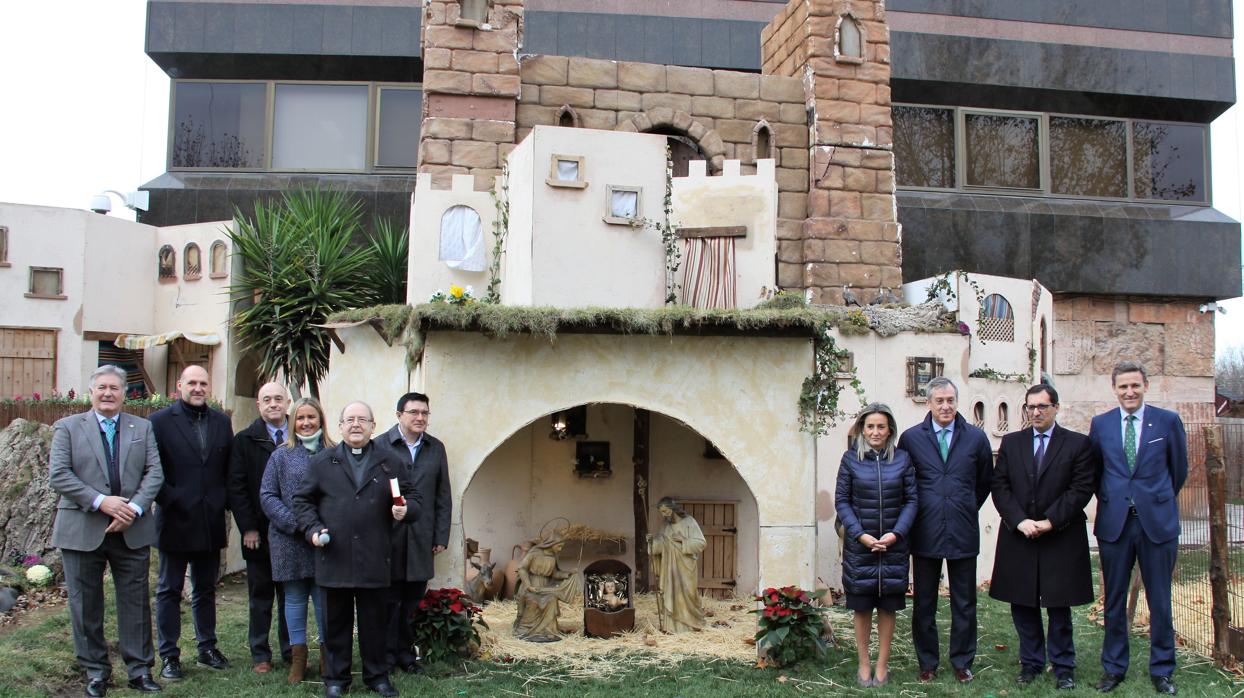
(950, 493)
(248, 457)
(358, 518)
(1051, 570)
(79, 473)
(191, 511)
(1161, 470)
(412, 545)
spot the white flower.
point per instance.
(470, 290)
(39, 575)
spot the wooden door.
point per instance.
(182, 353)
(717, 518)
(27, 362)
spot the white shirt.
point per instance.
(950, 433)
(99, 498)
(1139, 423)
(1036, 438)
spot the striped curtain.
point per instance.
(708, 272)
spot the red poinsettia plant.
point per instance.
(447, 625)
(791, 624)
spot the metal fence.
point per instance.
(1191, 594)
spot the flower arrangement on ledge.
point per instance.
(791, 626)
(458, 295)
(447, 625)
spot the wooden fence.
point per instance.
(49, 412)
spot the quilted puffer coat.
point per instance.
(875, 496)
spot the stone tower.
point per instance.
(841, 49)
(470, 86)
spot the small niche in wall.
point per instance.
(591, 459)
(472, 13)
(167, 263)
(978, 415)
(193, 259)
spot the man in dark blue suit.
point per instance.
(954, 469)
(1141, 455)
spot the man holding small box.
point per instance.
(346, 507)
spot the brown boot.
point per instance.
(297, 664)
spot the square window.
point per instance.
(1168, 161)
(1002, 151)
(846, 369)
(566, 171)
(47, 282)
(921, 370)
(622, 204)
(218, 124)
(472, 13)
(924, 147)
(320, 127)
(397, 138)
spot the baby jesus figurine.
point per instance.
(609, 599)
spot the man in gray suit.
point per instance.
(106, 468)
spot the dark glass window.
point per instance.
(924, 147)
(1002, 151)
(219, 125)
(1088, 157)
(1168, 161)
(401, 113)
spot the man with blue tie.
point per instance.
(105, 466)
(1141, 455)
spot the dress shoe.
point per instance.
(333, 690)
(172, 669)
(144, 684)
(412, 667)
(1163, 685)
(1066, 682)
(385, 689)
(1025, 677)
(262, 667)
(964, 675)
(927, 675)
(1109, 682)
(213, 659)
(96, 688)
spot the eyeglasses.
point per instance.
(417, 413)
(356, 420)
(1039, 408)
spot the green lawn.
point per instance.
(36, 659)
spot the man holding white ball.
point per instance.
(347, 504)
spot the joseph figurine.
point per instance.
(675, 553)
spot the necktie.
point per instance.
(110, 430)
(1129, 443)
(1040, 452)
(280, 436)
(943, 443)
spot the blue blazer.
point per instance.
(950, 494)
(1161, 469)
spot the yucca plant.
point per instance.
(389, 246)
(298, 265)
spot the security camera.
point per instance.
(100, 203)
(1211, 307)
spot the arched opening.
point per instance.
(850, 39)
(1004, 418)
(591, 481)
(762, 141)
(220, 256)
(167, 268)
(193, 260)
(978, 415)
(683, 149)
(997, 321)
(1041, 348)
(567, 117)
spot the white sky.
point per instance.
(85, 110)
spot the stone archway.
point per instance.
(662, 119)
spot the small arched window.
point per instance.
(567, 117)
(850, 44)
(462, 239)
(193, 263)
(168, 262)
(762, 141)
(978, 414)
(1004, 418)
(220, 257)
(997, 320)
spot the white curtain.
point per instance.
(462, 239)
(568, 170)
(624, 204)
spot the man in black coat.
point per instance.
(346, 495)
(251, 449)
(1041, 484)
(954, 463)
(194, 442)
(414, 547)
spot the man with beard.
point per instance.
(194, 442)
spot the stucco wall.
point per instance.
(426, 273)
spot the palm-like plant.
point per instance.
(298, 266)
(389, 247)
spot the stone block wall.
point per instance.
(1172, 339)
(470, 84)
(783, 50)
